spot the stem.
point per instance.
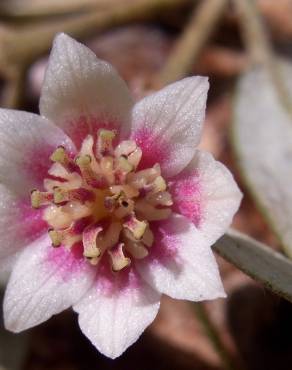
(201, 25)
(213, 335)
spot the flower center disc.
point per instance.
(101, 200)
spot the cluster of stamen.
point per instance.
(100, 200)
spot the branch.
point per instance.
(201, 25)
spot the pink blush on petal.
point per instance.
(186, 193)
(66, 263)
(153, 151)
(38, 162)
(34, 225)
(79, 129)
(166, 243)
(109, 283)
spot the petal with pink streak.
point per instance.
(206, 193)
(82, 93)
(44, 282)
(27, 141)
(19, 224)
(116, 310)
(167, 124)
(181, 263)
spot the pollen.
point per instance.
(101, 200)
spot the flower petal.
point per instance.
(44, 282)
(167, 124)
(181, 263)
(115, 312)
(19, 224)
(206, 193)
(82, 93)
(27, 141)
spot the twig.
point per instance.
(27, 9)
(26, 44)
(254, 32)
(214, 336)
(202, 23)
(22, 46)
(13, 91)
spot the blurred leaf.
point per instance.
(258, 261)
(13, 347)
(262, 137)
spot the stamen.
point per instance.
(91, 251)
(105, 142)
(137, 250)
(137, 228)
(92, 179)
(118, 259)
(150, 213)
(125, 148)
(148, 237)
(160, 199)
(100, 200)
(82, 195)
(39, 198)
(60, 156)
(67, 237)
(156, 186)
(122, 168)
(135, 157)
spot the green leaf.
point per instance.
(258, 261)
(262, 138)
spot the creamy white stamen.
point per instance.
(100, 200)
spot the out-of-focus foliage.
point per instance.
(262, 133)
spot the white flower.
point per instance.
(131, 205)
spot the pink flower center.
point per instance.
(101, 200)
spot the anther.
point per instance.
(105, 142)
(39, 198)
(118, 259)
(60, 156)
(90, 234)
(135, 227)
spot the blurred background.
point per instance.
(239, 44)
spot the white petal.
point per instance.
(115, 312)
(44, 282)
(167, 124)
(205, 192)
(181, 263)
(27, 141)
(19, 224)
(82, 93)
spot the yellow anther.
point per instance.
(59, 155)
(56, 238)
(39, 198)
(83, 161)
(104, 142)
(60, 195)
